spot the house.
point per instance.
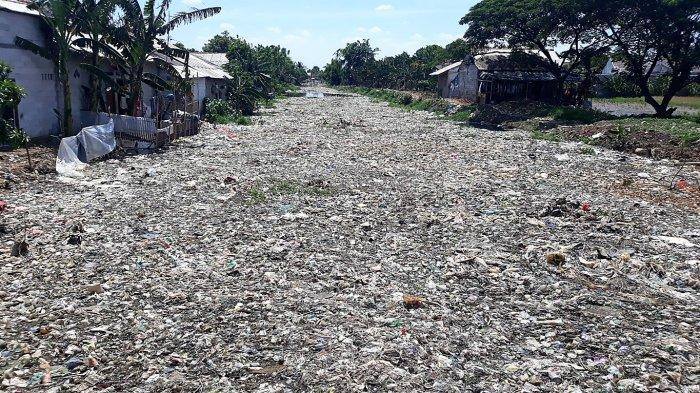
(207, 75)
(35, 74)
(218, 59)
(37, 111)
(614, 67)
(499, 75)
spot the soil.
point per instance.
(15, 165)
(648, 143)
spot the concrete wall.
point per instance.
(464, 82)
(34, 73)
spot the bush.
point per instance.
(10, 96)
(406, 99)
(579, 115)
(221, 112)
(217, 110)
(621, 85)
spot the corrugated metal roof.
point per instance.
(17, 6)
(199, 68)
(218, 59)
(446, 69)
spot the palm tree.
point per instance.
(62, 25)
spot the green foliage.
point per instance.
(458, 50)
(567, 25)
(462, 116)
(546, 136)
(259, 72)
(684, 130)
(621, 85)
(219, 43)
(405, 101)
(579, 115)
(644, 33)
(10, 96)
(356, 65)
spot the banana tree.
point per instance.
(140, 39)
(62, 25)
(95, 28)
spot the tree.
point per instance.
(541, 25)
(10, 96)
(333, 73)
(458, 50)
(219, 43)
(356, 60)
(62, 24)
(95, 25)
(645, 33)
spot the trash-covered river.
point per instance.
(342, 245)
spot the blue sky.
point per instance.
(314, 29)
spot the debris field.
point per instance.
(339, 244)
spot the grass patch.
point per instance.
(546, 136)
(579, 115)
(260, 193)
(256, 196)
(289, 187)
(688, 102)
(685, 130)
(462, 116)
(231, 119)
(587, 150)
(397, 99)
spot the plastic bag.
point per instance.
(77, 151)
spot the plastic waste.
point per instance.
(76, 152)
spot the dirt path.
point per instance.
(277, 258)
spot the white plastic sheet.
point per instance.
(77, 151)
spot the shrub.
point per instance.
(10, 96)
(406, 99)
(579, 115)
(621, 85)
(221, 112)
(217, 110)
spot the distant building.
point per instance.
(614, 67)
(500, 75)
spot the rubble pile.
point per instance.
(340, 244)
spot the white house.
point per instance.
(38, 76)
(34, 73)
(208, 77)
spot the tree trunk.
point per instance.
(136, 92)
(94, 81)
(662, 110)
(67, 99)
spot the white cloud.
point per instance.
(192, 3)
(274, 29)
(384, 8)
(227, 26)
(375, 30)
